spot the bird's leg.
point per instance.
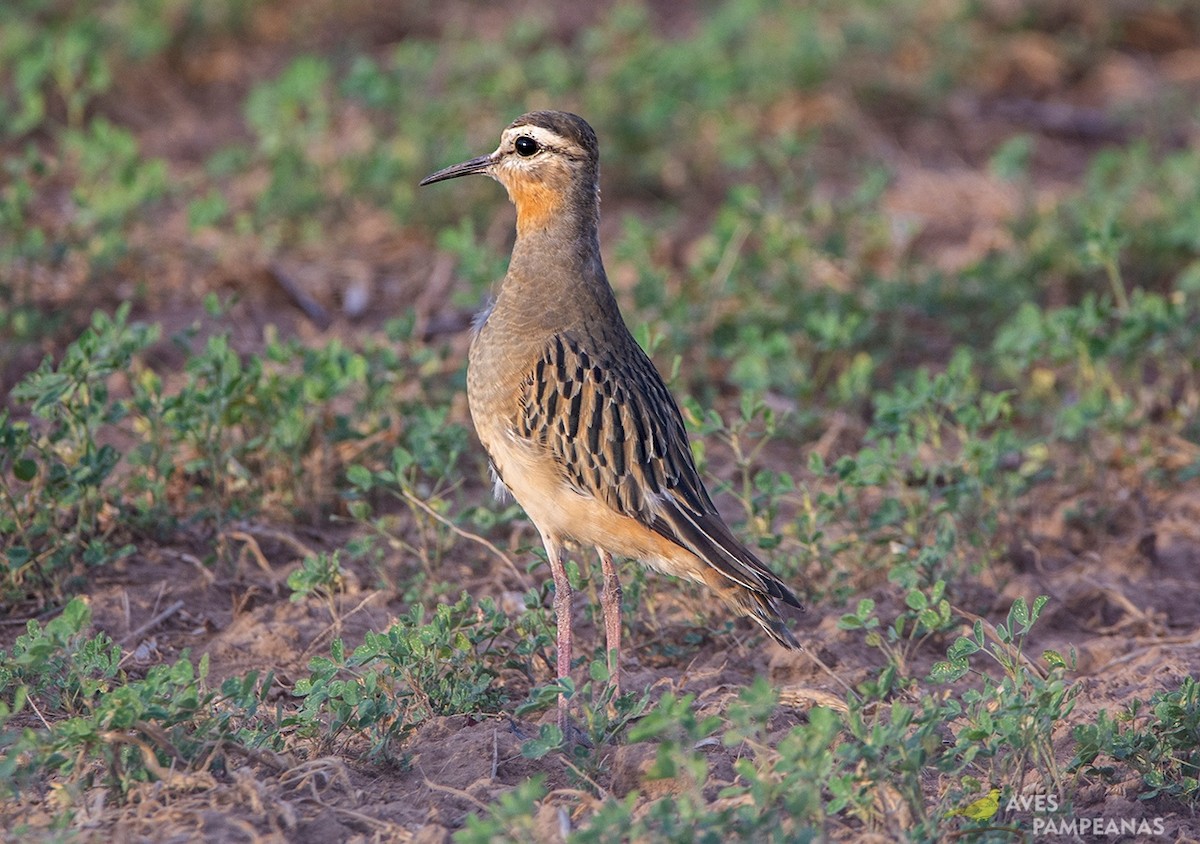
(563, 620)
(610, 600)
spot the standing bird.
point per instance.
(578, 423)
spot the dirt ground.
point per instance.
(1124, 584)
(1122, 598)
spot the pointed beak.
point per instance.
(467, 168)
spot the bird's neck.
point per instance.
(567, 211)
(556, 277)
(557, 233)
(539, 207)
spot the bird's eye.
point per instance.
(526, 146)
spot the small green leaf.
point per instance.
(1054, 659)
(359, 476)
(550, 737)
(916, 600)
(1018, 616)
(962, 648)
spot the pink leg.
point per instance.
(610, 600)
(563, 620)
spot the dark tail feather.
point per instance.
(709, 538)
(778, 631)
(744, 582)
(778, 590)
(762, 610)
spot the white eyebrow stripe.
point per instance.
(544, 137)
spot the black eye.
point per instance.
(526, 146)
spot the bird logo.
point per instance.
(982, 809)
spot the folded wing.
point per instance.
(619, 436)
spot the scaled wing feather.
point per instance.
(613, 426)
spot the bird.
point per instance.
(982, 809)
(577, 422)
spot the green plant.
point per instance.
(107, 187)
(937, 453)
(511, 817)
(1096, 353)
(785, 780)
(99, 726)
(289, 115)
(1160, 741)
(779, 794)
(926, 614)
(248, 432)
(60, 58)
(887, 753)
(321, 575)
(419, 476)
(54, 492)
(605, 717)
(673, 725)
(416, 669)
(1011, 721)
(56, 664)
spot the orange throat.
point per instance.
(536, 204)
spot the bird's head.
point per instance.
(547, 160)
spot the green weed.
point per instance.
(55, 496)
(101, 727)
(419, 668)
(605, 718)
(1158, 740)
(511, 817)
(1011, 721)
